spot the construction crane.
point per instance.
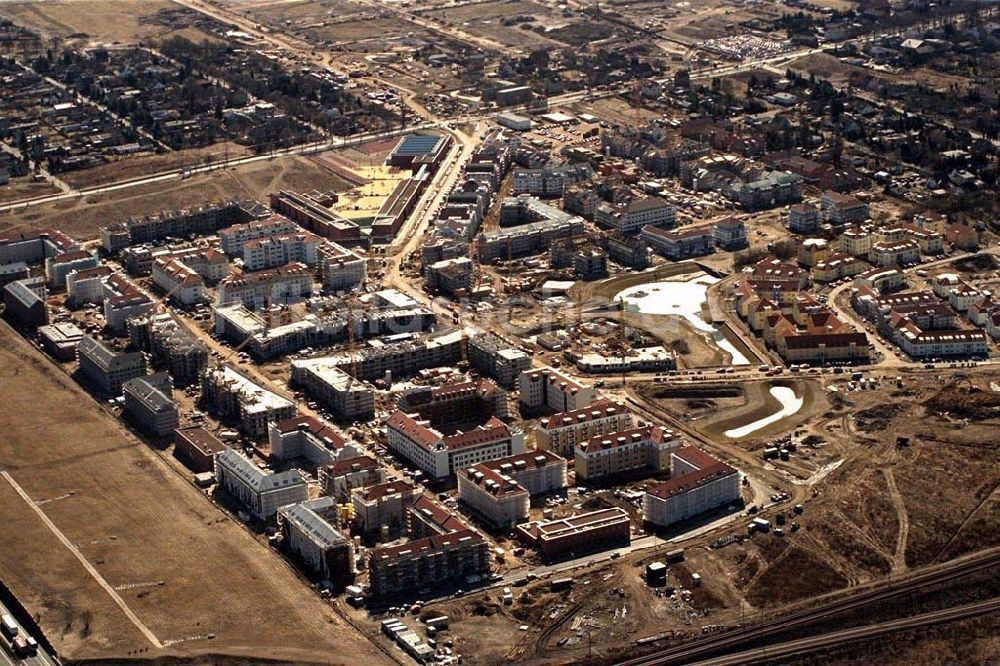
(350, 336)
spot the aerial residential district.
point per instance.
(499, 331)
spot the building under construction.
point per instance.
(380, 360)
(171, 347)
(237, 398)
(203, 220)
(498, 358)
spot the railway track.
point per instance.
(836, 639)
(729, 641)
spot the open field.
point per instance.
(104, 21)
(483, 20)
(144, 165)
(136, 522)
(82, 217)
(23, 188)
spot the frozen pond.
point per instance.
(683, 299)
(789, 405)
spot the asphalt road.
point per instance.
(7, 659)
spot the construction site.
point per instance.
(498, 332)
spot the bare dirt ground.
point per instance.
(97, 20)
(23, 188)
(137, 523)
(82, 217)
(974, 641)
(144, 165)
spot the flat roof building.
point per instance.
(576, 535)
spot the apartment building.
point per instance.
(840, 208)
(307, 437)
(551, 389)
(429, 561)
(698, 483)
(259, 492)
(350, 399)
(680, 244)
(105, 368)
(200, 221)
(176, 279)
(171, 346)
(149, 403)
(309, 535)
(341, 269)
(122, 301)
(287, 284)
(630, 217)
(439, 455)
(273, 251)
(236, 397)
(235, 237)
(501, 490)
(803, 219)
(60, 340)
(459, 402)
(61, 265)
(532, 226)
(381, 508)
(624, 451)
(891, 254)
(550, 182)
(25, 301)
(730, 234)
(86, 286)
(498, 358)
(401, 359)
(343, 476)
(882, 280)
(498, 498)
(451, 276)
(561, 432)
(34, 247)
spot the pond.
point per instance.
(790, 404)
(682, 298)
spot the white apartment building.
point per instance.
(122, 301)
(561, 432)
(646, 448)
(59, 266)
(549, 388)
(272, 251)
(340, 269)
(286, 284)
(698, 483)
(440, 455)
(897, 253)
(501, 490)
(842, 208)
(149, 402)
(384, 505)
(235, 237)
(86, 286)
(260, 492)
(307, 437)
(630, 217)
(496, 497)
(350, 399)
(178, 280)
